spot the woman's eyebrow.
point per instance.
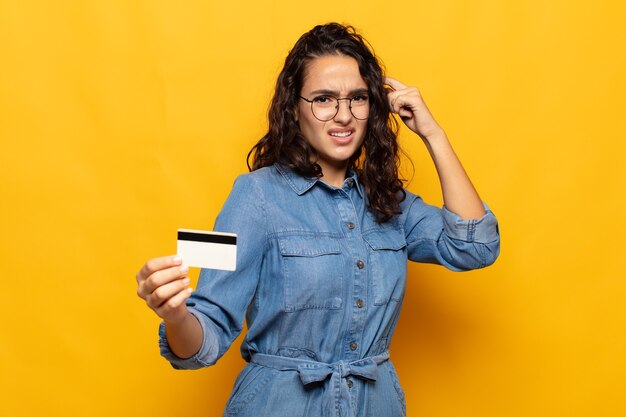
(336, 93)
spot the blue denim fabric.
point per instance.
(320, 285)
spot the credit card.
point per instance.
(203, 249)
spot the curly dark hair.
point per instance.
(377, 167)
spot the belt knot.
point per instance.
(311, 371)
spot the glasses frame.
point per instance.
(336, 107)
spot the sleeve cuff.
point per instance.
(206, 356)
(483, 230)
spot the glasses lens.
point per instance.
(324, 107)
(360, 107)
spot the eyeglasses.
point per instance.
(325, 108)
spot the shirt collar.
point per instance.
(301, 185)
(355, 178)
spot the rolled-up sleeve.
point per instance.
(207, 354)
(437, 235)
(221, 298)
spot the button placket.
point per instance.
(350, 223)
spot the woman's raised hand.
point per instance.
(163, 284)
(407, 102)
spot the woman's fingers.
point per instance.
(167, 310)
(160, 278)
(162, 283)
(157, 264)
(157, 272)
(393, 83)
(403, 100)
(408, 103)
(164, 293)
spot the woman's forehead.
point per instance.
(338, 73)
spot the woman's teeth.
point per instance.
(341, 134)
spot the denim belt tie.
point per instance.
(311, 371)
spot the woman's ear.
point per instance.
(296, 113)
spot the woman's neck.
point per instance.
(333, 174)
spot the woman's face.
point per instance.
(337, 139)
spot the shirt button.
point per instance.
(360, 264)
(359, 303)
(350, 182)
(353, 345)
(349, 382)
(351, 226)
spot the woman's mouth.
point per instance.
(342, 136)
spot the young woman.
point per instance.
(324, 230)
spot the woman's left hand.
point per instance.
(407, 102)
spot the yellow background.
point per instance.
(122, 121)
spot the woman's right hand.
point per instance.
(163, 284)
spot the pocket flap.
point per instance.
(390, 239)
(308, 245)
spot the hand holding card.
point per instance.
(203, 249)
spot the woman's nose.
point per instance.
(344, 113)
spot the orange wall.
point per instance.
(122, 121)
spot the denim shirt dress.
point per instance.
(320, 285)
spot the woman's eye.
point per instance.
(361, 99)
(322, 99)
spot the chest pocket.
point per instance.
(312, 267)
(388, 264)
